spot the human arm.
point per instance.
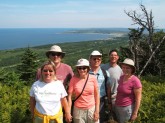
(138, 95)
(66, 107)
(32, 105)
(70, 101)
(97, 103)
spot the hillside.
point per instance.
(14, 103)
(74, 51)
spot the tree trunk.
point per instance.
(153, 53)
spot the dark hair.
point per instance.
(113, 50)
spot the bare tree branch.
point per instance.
(151, 56)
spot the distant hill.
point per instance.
(100, 30)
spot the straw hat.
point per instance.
(129, 62)
(55, 48)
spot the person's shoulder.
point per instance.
(122, 76)
(117, 67)
(57, 82)
(36, 83)
(136, 81)
(134, 77)
(91, 76)
(104, 66)
(75, 77)
(66, 66)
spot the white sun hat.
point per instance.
(55, 48)
(82, 62)
(95, 53)
(129, 62)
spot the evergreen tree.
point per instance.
(28, 66)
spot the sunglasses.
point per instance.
(81, 68)
(94, 59)
(55, 54)
(47, 70)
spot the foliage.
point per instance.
(145, 43)
(160, 54)
(14, 104)
(28, 65)
(153, 97)
(8, 77)
(14, 96)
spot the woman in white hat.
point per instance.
(84, 87)
(63, 71)
(129, 93)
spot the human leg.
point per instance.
(124, 113)
(79, 115)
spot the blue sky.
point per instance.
(75, 13)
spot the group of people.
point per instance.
(56, 86)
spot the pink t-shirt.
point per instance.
(86, 100)
(125, 91)
(63, 73)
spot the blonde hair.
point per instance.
(50, 63)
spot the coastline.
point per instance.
(21, 38)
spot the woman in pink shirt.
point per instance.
(129, 93)
(86, 107)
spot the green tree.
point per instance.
(160, 54)
(143, 46)
(8, 77)
(28, 65)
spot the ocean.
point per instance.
(12, 38)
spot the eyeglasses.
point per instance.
(55, 54)
(47, 70)
(94, 59)
(113, 55)
(81, 68)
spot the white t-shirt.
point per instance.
(48, 96)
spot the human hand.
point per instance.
(133, 117)
(68, 117)
(96, 116)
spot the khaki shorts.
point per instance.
(84, 115)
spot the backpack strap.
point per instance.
(106, 78)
